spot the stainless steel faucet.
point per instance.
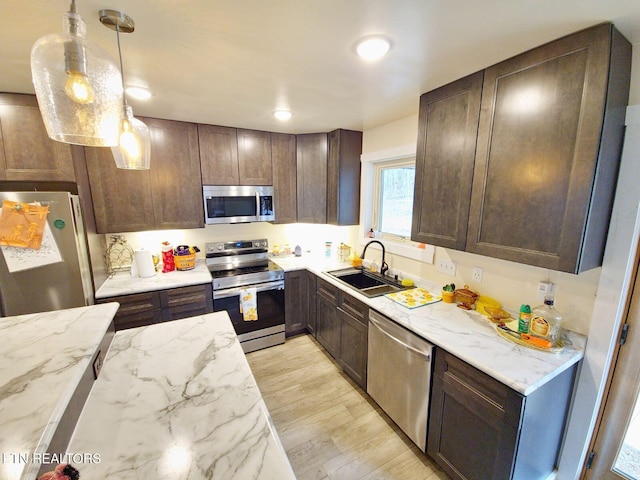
(384, 267)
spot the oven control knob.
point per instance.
(263, 244)
(219, 246)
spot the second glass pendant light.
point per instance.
(133, 151)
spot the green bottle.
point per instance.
(525, 318)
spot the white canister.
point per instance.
(144, 263)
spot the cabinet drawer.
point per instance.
(358, 310)
(186, 301)
(186, 295)
(328, 291)
(136, 310)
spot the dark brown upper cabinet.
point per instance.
(448, 128)
(548, 148)
(254, 157)
(218, 155)
(167, 196)
(283, 156)
(312, 177)
(231, 156)
(26, 151)
(343, 177)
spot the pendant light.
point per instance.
(133, 151)
(77, 85)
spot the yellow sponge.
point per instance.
(407, 282)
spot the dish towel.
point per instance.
(248, 304)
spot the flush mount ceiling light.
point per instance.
(77, 85)
(282, 115)
(373, 47)
(133, 151)
(139, 93)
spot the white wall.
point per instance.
(310, 237)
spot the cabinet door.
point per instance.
(474, 422)
(448, 126)
(122, 199)
(186, 302)
(254, 157)
(311, 315)
(538, 144)
(312, 177)
(283, 157)
(296, 301)
(26, 151)
(354, 317)
(218, 155)
(175, 175)
(343, 177)
(328, 325)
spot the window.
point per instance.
(393, 197)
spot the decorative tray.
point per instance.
(414, 297)
(513, 326)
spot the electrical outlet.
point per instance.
(447, 266)
(476, 276)
(545, 288)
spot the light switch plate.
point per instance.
(446, 266)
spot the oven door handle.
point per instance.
(263, 287)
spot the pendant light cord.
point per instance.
(124, 98)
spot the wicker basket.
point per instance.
(185, 262)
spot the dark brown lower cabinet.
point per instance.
(311, 315)
(141, 309)
(296, 302)
(354, 317)
(342, 329)
(480, 429)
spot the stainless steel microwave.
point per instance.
(238, 204)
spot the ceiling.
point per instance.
(233, 62)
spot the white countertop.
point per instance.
(122, 283)
(466, 334)
(178, 400)
(42, 360)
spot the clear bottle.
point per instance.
(545, 321)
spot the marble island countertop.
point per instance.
(122, 283)
(466, 334)
(42, 361)
(178, 400)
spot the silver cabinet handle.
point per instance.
(378, 325)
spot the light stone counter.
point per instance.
(178, 400)
(122, 283)
(42, 362)
(466, 334)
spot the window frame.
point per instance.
(405, 248)
(379, 167)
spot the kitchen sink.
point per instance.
(366, 283)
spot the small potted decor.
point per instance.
(448, 295)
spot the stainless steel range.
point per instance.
(238, 268)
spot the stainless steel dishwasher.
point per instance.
(399, 375)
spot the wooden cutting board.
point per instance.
(414, 297)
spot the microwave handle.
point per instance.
(257, 204)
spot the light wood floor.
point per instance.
(329, 426)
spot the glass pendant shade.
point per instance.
(133, 151)
(78, 87)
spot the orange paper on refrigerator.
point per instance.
(22, 224)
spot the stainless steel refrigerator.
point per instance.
(55, 276)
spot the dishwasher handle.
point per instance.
(376, 323)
